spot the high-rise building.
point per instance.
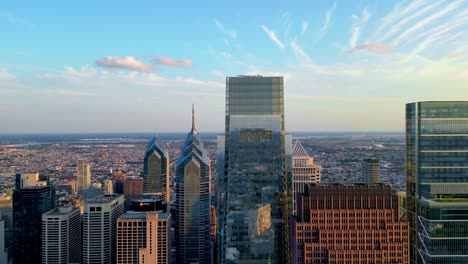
(254, 196)
(32, 197)
(7, 216)
(108, 187)
(371, 170)
(83, 176)
(192, 205)
(61, 235)
(437, 181)
(353, 223)
(156, 169)
(3, 250)
(304, 171)
(133, 187)
(100, 228)
(144, 237)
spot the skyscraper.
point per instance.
(144, 237)
(61, 236)
(371, 170)
(100, 228)
(352, 223)
(304, 171)
(32, 197)
(253, 198)
(437, 181)
(156, 169)
(83, 176)
(192, 203)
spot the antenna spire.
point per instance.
(193, 119)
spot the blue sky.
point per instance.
(121, 66)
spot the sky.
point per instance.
(138, 66)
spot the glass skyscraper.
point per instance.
(193, 202)
(437, 181)
(156, 169)
(252, 201)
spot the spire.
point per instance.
(193, 120)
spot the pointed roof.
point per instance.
(154, 142)
(193, 131)
(299, 150)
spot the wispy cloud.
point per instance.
(375, 47)
(5, 75)
(183, 63)
(356, 32)
(358, 24)
(300, 53)
(326, 25)
(426, 21)
(127, 62)
(231, 32)
(272, 35)
(304, 28)
(218, 73)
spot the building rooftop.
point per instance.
(142, 215)
(103, 198)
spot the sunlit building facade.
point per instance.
(192, 220)
(437, 181)
(352, 223)
(371, 170)
(304, 171)
(156, 169)
(253, 202)
(83, 175)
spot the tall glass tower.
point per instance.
(437, 181)
(192, 217)
(156, 169)
(252, 204)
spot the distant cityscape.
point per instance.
(254, 193)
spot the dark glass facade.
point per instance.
(252, 199)
(29, 203)
(437, 181)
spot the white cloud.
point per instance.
(5, 75)
(354, 37)
(183, 63)
(300, 53)
(304, 28)
(272, 35)
(326, 25)
(218, 73)
(126, 62)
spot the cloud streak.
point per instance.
(300, 53)
(231, 32)
(272, 35)
(326, 25)
(126, 62)
(183, 63)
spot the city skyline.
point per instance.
(347, 66)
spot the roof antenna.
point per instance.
(193, 119)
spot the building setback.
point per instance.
(355, 223)
(61, 236)
(304, 171)
(144, 237)
(100, 228)
(192, 205)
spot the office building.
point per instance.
(371, 170)
(133, 187)
(61, 235)
(353, 223)
(6, 211)
(156, 169)
(100, 228)
(437, 181)
(108, 187)
(32, 197)
(254, 196)
(192, 205)
(3, 250)
(144, 237)
(304, 171)
(83, 177)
